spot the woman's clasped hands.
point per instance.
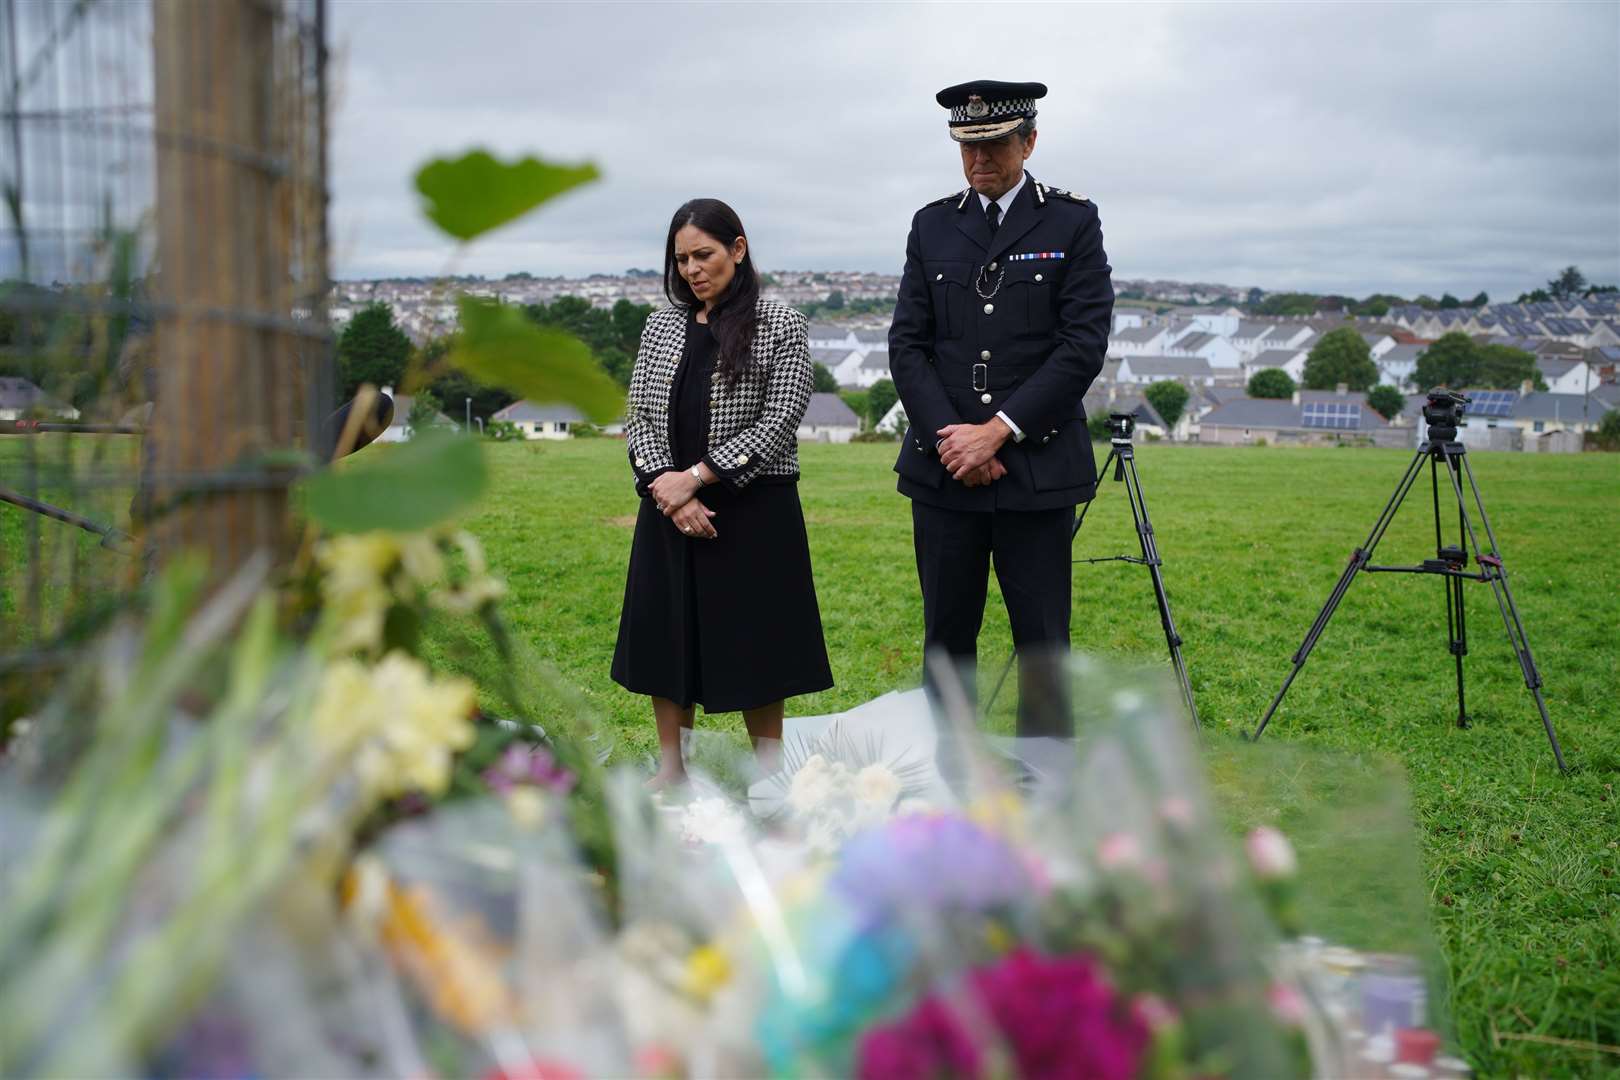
(675, 495)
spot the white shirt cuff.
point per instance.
(1018, 434)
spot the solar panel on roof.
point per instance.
(1491, 402)
(1335, 415)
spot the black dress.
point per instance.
(729, 623)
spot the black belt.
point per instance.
(980, 378)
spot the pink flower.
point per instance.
(1119, 851)
(1177, 811)
(1287, 1004)
(1270, 854)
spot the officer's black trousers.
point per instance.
(1032, 559)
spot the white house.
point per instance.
(868, 340)
(541, 421)
(1129, 319)
(1566, 376)
(1378, 343)
(1140, 341)
(874, 368)
(842, 362)
(21, 399)
(1190, 371)
(1217, 350)
(1397, 366)
(1288, 336)
(828, 419)
(398, 429)
(831, 336)
(894, 421)
(1289, 360)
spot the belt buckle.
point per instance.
(981, 377)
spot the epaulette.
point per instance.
(1071, 196)
(954, 196)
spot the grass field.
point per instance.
(1521, 865)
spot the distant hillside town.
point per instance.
(1182, 357)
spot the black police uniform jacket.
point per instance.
(1031, 349)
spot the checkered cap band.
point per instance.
(1020, 107)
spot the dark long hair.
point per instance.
(733, 318)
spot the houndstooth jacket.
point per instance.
(753, 423)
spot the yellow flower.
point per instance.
(399, 724)
(421, 558)
(355, 588)
(707, 970)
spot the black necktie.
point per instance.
(992, 211)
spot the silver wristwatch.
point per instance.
(696, 475)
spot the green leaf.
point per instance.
(404, 488)
(470, 195)
(500, 346)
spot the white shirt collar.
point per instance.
(1006, 201)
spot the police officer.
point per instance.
(1001, 326)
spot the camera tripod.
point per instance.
(1122, 456)
(1441, 449)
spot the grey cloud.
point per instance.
(1346, 148)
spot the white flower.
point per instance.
(1270, 854)
(813, 784)
(711, 821)
(877, 786)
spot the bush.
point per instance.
(1098, 426)
(1271, 383)
(502, 430)
(875, 436)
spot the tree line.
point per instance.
(373, 349)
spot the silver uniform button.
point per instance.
(641, 463)
(985, 398)
(989, 308)
(985, 355)
(939, 277)
(1037, 277)
(742, 459)
(995, 266)
(1046, 439)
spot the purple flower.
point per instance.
(535, 766)
(1055, 1016)
(929, 1042)
(930, 863)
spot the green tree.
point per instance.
(1252, 299)
(1098, 426)
(879, 399)
(824, 382)
(1271, 382)
(1168, 397)
(613, 335)
(1458, 362)
(372, 350)
(1481, 300)
(1569, 284)
(1340, 357)
(856, 400)
(1534, 296)
(1449, 302)
(425, 410)
(1609, 430)
(1386, 401)
(1426, 302)
(835, 300)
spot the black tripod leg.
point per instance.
(1496, 574)
(1456, 626)
(1150, 555)
(1359, 558)
(1079, 520)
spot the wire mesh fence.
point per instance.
(165, 358)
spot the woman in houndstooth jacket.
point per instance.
(719, 604)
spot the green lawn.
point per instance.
(1522, 866)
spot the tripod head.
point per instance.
(1120, 427)
(1443, 412)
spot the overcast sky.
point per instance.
(1358, 148)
